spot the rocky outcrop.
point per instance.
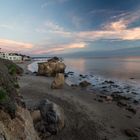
(58, 82)
(51, 67)
(48, 118)
(19, 128)
(84, 84)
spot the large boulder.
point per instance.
(19, 128)
(58, 82)
(51, 67)
(48, 118)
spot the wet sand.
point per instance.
(86, 118)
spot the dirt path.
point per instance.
(86, 119)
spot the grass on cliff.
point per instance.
(12, 69)
(3, 95)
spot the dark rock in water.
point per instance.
(135, 93)
(105, 90)
(83, 76)
(118, 97)
(84, 84)
(104, 87)
(34, 73)
(102, 96)
(70, 73)
(136, 102)
(117, 92)
(74, 85)
(131, 109)
(109, 82)
(66, 75)
(115, 86)
(121, 103)
(132, 78)
(130, 133)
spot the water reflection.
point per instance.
(109, 68)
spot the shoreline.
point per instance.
(88, 115)
(129, 87)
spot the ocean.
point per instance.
(114, 68)
(124, 72)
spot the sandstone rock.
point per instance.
(84, 84)
(51, 67)
(19, 128)
(36, 115)
(58, 81)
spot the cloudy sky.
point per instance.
(49, 27)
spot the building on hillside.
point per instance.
(4, 55)
(10, 56)
(14, 57)
(26, 58)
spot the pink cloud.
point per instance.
(114, 30)
(60, 48)
(11, 45)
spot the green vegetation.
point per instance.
(16, 85)
(12, 69)
(3, 95)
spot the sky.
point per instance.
(70, 27)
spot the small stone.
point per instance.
(132, 78)
(121, 103)
(109, 98)
(100, 100)
(131, 109)
(130, 133)
(135, 102)
(84, 84)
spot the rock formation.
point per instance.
(51, 67)
(58, 81)
(19, 128)
(48, 118)
(15, 121)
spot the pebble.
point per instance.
(130, 133)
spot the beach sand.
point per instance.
(86, 118)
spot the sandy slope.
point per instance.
(86, 118)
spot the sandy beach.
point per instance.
(87, 115)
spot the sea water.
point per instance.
(124, 72)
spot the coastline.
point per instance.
(88, 116)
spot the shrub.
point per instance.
(3, 94)
(12, 69)
(16, 85)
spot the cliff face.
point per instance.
(8, 85)
(15, 120)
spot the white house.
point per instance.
(10, 56)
